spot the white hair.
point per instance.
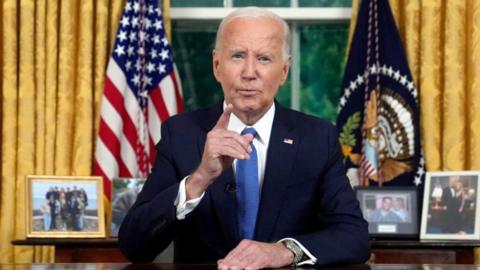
(255, 13)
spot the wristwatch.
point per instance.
(295, 249)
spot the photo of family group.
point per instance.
(450, 206)
(65, 207)
(389, 210)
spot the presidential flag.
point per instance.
(378, 119)
(141, 91)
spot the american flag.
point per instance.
(141, 91)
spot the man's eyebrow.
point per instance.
(265, 53)
(258, 53)
(236, 50)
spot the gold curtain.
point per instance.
(442, 43)
(53, 56)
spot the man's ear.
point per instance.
(215, 63)
(285, 69)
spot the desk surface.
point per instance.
(383, 251)
(122, 266)
(375, 243)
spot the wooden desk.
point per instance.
(120, 266)
(80, 250)
(432, 251)
(383, 251)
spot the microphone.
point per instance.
(230, 187)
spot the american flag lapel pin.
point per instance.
(288, 141)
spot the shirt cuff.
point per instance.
(184, 207)
(311, 260)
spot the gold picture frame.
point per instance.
(65, 207)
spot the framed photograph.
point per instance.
(390, 211)
(124, 195)
(450, 206)
(65, 207)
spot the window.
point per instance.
(319, 41)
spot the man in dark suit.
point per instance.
(451, 205)
(300, 208)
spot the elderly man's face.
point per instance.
(452, 180)
(249, 63)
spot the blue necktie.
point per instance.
(248, 191)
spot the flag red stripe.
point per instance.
(123, 170)
(142, 156)
(130, 133)
(177, 92)
(158, 103)
(107, 184)
(129, 129)
(109, 138)
(153, 151)
(113, 95)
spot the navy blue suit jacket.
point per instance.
(306, 195)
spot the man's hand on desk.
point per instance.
(221, 148)
(256, 255)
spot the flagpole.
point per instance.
(167, 20)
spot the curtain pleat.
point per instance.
(40, 87)
(83, 136)
(431, 84)
(51, 84)
(454, 151)
(67, 66)
(9, 127)
(53, 60)
(25, 121)
(411, 35)
(473, 84)
(100, 55)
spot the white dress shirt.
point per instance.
(260, 141)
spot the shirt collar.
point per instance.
(263, 125)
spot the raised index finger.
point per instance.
(222, 122)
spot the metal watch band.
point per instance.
(295, 249)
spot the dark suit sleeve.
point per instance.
(150, 224)
(342, 236)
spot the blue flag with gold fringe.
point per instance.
(378, 119)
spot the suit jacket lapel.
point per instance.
(280, 158)
(224, 202)
(222, 191)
